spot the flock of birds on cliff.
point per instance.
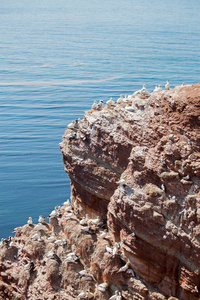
(88, 225)
(127, 102)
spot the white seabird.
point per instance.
(167, 85)
(100, 104)
(53, 213)
(94, 221)
(94, 105)
(120, 100)
(71, 125)
(122, 181)
(124, 268)
(82, 294)
(30, 221)
(130, 108)
(85, 229)
(117, 296)
(67, 203)
(158, 88)
(110, 102)
(84, 220)
(83, 272)
(69, 215)
(103, 234)
(127, 99)
(102, 287)
(115, 249)
(68, 208)
(38, 226)
(144, 91)
(109, 249)
(35, 236)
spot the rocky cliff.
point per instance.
(133, 229)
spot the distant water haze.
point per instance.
(56, 58)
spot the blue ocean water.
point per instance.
(56, 58)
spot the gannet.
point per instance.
(30, 221)
(124, 268)
(162, 187)
(89, 294)
(83, 272)
(127, 99)
(86, 228)
(109, 250)
(110, 102)
(130, 108)
(42, 220)
(38, 226)
(120, 100)
(35, 236)
(116, 296)
(81, 295)
(102, 287)
(103, 234)
(115, 249)
(144, 91)
(94, 105)
(196, 289)
(167, 85)
(51, 238)
(68, 208)
(69, 215)
(84, 220)
(158, 88)
(122, 181)
(53, 213)
(94, 221)
(71, 125)
(66, 203)
(12, 242)
(58, 242)
(100, 104)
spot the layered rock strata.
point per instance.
(141, 237)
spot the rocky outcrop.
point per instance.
(148, 225)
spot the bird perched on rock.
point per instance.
(122, 181)
(102, 287)
(81, 295)
(94, 221)
(94, 105)
(110, 102)
(103, 234)
(167, 85)
(84, 220)
(116, 296)
(42, 220)
(30, 221)
(120, 100)
(67, 203)
(144, 91)
(124, 268)
(85, 229)
(100, 104)
(158, 88)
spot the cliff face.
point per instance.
(157, 148)
(149, 224)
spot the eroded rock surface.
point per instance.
(149, 225)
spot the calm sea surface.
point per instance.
(56, 58)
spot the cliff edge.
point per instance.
(132, 229)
